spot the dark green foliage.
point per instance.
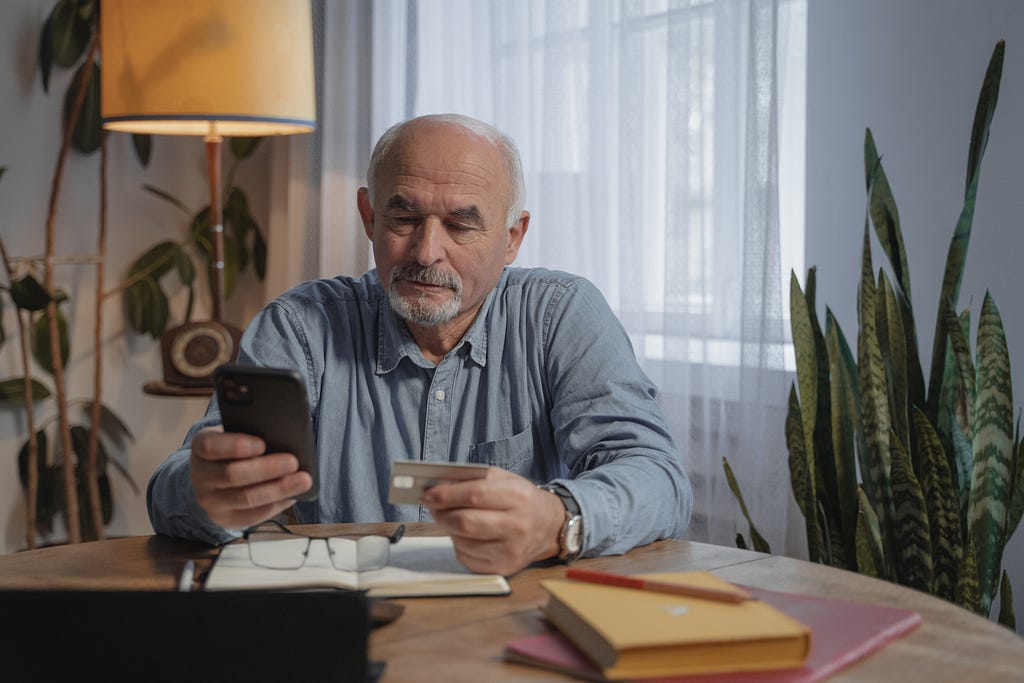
(941, 470)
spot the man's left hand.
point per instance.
(499, 524)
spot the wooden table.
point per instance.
(461, 639)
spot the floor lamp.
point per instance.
(210, 68)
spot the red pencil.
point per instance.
(591, 576)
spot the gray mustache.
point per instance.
(426, 275)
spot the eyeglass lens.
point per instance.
(275, 549)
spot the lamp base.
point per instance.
(192, 351)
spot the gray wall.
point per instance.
(30, 121)
(911, 71)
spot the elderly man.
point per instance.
(444, 353)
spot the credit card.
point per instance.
(410, 478)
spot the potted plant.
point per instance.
(920, 483)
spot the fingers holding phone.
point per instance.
(237, 485)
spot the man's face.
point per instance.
(437, 224)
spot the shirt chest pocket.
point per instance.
(513, 453)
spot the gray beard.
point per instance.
(416, 309)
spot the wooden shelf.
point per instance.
(158, 387)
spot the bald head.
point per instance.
(394, 136)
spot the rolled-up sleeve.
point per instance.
(624, 468)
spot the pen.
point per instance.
(187, 572)
(735, 596)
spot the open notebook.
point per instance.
(418, 566)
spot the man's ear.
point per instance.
(515, 237)
(365, 211)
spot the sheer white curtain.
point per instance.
(650, 135)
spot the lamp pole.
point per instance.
(213, 157)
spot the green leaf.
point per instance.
(111, 426)
(88, 131)
(1016, 510)
(243, 147)
(185, 268)
(259, 253)
(167, 197)
(942, 505)
(845, 417)
(968, 592)
(68, 34)
(156, 261)
(13, 391)
(987, 99)
(992, 444)
(870, 553)
(29, 295)
(1006, 617)
(760, 544)
(874, 403)
(963, 385)
(135, 306)
(957, 254)
(884, 215)
(46, 50)
(741, 542)
(41, 340)
(913, 532)
(23, 454)
(892, 344)
(143, 145)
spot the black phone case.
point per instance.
(270, 403)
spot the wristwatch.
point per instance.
(570, 541)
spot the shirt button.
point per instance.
(439, 394)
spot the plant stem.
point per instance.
(71, 511)
(92, 476)
(32, 474)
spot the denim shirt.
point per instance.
(544, 384)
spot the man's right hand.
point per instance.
(236, 484)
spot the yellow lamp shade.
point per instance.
(207, 67)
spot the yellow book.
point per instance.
(633, 633)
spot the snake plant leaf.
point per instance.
(987, 99)
(760, 544)
(884, 215)
(893, 345)
(1006, 617)
(874, 400)
(741, 542)
(870, 553)
(806, 365)
(992, 444)
(801, 479)
(963, 466)
(968, 591)
(913, 531)
(957, 254)
(845, 416)
(1016, 510)
(964, 378)
(942, 505)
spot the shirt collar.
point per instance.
(394, 342)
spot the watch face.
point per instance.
(574, 535)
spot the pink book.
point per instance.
(842, 632)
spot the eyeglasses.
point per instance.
(274, 546)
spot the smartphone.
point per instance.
(270, 403)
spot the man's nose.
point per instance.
(428, 244)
